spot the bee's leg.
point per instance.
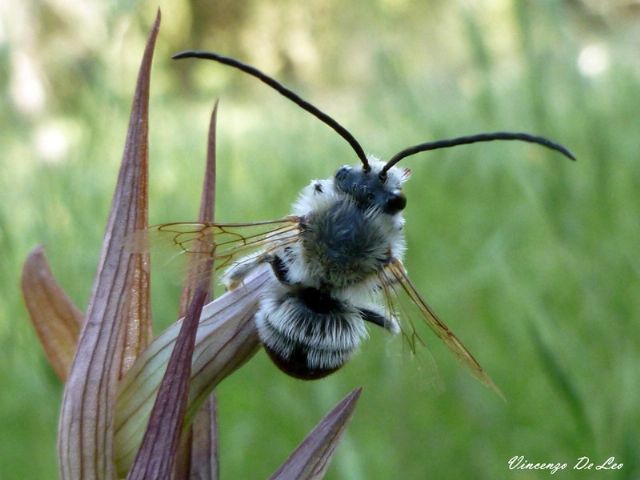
(236, 274)
(377, 318)
(280, 268)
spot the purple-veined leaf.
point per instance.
(157, 454)
(198, 453)
(85, 432)
(200, 268)
(226, 339)
(310, 460)
(56, 319)
(204, 449)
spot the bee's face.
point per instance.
(368, 190)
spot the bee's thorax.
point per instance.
(343, 245)
(352, 225)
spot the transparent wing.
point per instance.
(424, 373)
(224, 243)
(396, 283)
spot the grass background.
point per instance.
(530, 259)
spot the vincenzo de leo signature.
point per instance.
(519, 462)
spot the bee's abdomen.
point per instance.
(307, 333)
(297, 364)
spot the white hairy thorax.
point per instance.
(321, 195)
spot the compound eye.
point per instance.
(396, 202)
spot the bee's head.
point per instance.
(369, 189)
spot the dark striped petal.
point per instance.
(200, 268)
(198, 455)
(311, 459)
(157, 455)
(85, 433)
(204, 448)
(226, 339)
(54, 316)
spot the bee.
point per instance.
(337, 259)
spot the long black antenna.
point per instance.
(482, 137)
(284, 91)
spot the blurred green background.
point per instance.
(530, 259)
